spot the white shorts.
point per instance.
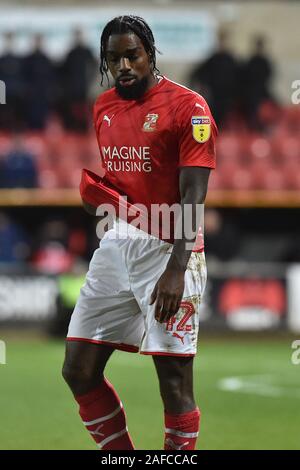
(113, 306)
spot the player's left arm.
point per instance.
(169, 289)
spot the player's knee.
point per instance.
(79, 379)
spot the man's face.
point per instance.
(129, 65)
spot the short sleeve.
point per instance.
(197, 132)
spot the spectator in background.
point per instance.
(14, 246)
(58, 248)
(78, 71)
(222, 238)
(11, 115)
(50, 254)
(256, 76)
(216, 79)
(18, 168)
(39, 76)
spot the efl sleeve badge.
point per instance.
(201, 128)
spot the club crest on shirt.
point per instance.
(150, 122)
(201, 128)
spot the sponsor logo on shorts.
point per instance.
(181, 338)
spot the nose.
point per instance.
(124, 65)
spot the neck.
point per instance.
(153, 80)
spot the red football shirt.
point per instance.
(143, 143)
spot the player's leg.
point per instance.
(106, 317)
(100, 407)
(175, 376)
(173, 344)
(84, 365)
(182, 416)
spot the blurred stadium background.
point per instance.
(244, 58)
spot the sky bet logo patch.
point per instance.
(201, 128)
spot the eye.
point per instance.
(112, 58)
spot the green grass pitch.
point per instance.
(248, 391)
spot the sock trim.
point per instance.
(104, 418)
(183, 419)
(180, 433)
(112, 437)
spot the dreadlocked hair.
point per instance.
(122, 25)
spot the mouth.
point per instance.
(127, 81)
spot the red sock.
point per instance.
(102, 413)
(181, 431)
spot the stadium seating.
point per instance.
(245, 160)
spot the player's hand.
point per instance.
(168, 293)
